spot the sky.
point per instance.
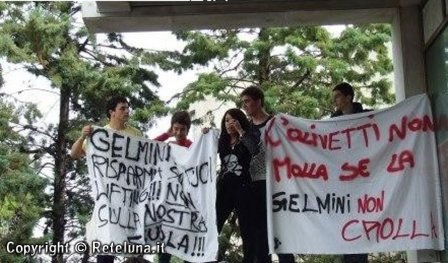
(29, 88)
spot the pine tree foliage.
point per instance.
(49, 40)
(296, 67)
(22, 198)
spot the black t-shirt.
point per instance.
(235, 161)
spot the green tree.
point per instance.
(22, 198)
(49, 40)
(389, 257)
(294, 66)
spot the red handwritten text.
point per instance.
(387, 229)
(355, 170)
(332, 141)
(313, 170)
(399, 162)
(415, 125)
(371, 204)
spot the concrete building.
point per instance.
(419, 42)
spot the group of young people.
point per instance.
(241, 184)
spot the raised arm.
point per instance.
(78, 147)
(164, 136)
(251, 140)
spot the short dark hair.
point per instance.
(254, 93)
(345, 89)
(113, 102)
(181, 117)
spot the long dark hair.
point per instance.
(224, 138)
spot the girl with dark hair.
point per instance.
(236, 146)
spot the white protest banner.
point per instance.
(149, 192)
(359, 183)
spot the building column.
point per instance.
(408, 52)
(410, 78)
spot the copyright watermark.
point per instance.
(81, 247)
(33, 249)
(126, 248)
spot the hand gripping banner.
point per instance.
(149, 192)
(358, 183)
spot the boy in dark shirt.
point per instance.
(343, 101)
